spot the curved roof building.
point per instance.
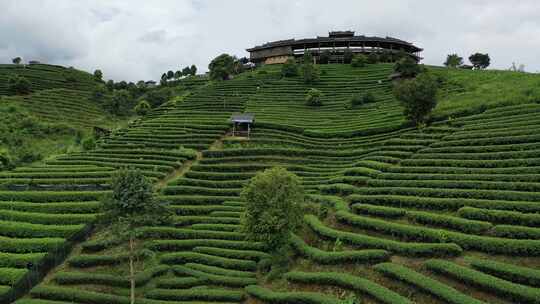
(336, 43)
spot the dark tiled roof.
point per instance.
(330, 38)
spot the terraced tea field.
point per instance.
(448, 214)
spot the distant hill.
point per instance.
(45, 76)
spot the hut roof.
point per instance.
(244, 117)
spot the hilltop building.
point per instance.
(336, 44)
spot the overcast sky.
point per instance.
(134, 40)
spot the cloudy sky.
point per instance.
(134, 40)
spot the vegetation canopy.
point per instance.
(273, 207)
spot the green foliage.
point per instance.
(425, 283)
(18, 85)
(221, 67)
(453, 61)
(510, 272)
(359, 61)
(347, 56)
(120, 104)
(142, 108)
(313, 98)
(289, 68)
(418, 97)
(338, 257)
(16, 60)
(408, 67)
(193, 70)
(310, 72)
(515, 292)
(131, 203)
(6, 161)
(273, 199)
(362, 99)
(347, 281)
(98, 75)
(480, 61)
(270, 296)
(88, 143)
(373, 58)
(324, 57)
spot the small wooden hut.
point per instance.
(242, 124)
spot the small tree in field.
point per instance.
(186, 71)
(324, 57)
(313, 98)
(142, 108)
(193, 70)
(221, 67)
(289, 68)
(347, 56)
(98, 75)
(16, 60)
(418, 96)
(130, 206)
(480, 61)
(407, 67)
(373, 58)
(273, 207)
(18, 85)
(310, 72)
(453, 61)
(359, 61)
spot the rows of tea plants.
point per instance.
(50, 207)
(282, 102)
(73, 106)
(44, 76)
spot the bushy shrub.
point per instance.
(310, 72)
(359, 61)
(347, 56)
(324, 57)
(221, 67)
(362, 98)
(18, 85)
(289, 68)
(142, 108)
(88, 143)
(373, 58)
(6, 162)
(313, 98)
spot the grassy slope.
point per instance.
(370, 167)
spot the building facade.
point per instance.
(336, 44)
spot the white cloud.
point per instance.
(135, 40)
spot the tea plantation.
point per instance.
(449, 213)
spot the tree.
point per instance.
(98, 75)
(347, 56)
(130, 206)
(313, 98)
(221, 67)
(359, 61)
(110, 85)
(310, 72)
(289, 68)
(158, 96)
(407, 67)
(186, 71)
(373, 58)
(18, 85)
(453, 61)
(418, 96)
(142, 108)
(273, 207)
(178, 74)
(120, 103)
(517, 68)
(385, 56)
(16, 60)
(480, 61)
(99, 93)
(170, 75)
(193, 69)
(324, 57)
(361, 99)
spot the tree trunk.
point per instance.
(131, 271)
